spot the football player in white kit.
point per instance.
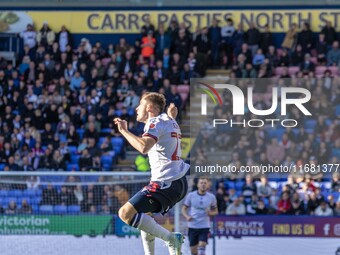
(201, 205)
(168, 185)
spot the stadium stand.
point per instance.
(58, 103)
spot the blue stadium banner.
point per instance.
(280, 226)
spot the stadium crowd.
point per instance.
(57, 105)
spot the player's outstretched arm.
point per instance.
(141, 144)
(172, 111)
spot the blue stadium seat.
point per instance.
(105, 131)
(38, 192)
(80, 132)
(72, 149)
(337, 110)
(35, 200)
(100, 141)
(118, 112)
(46, 209)
(60, 209)
(310, 124)
(276, 133)
(73, 209)
(2, 166)
(229, 185)
(239, 184)
(15, 193)
(29, 193)
(117, 144)
(75, 158)
(72, 167)
(3, 193)
(131, 112)
(106, 159)
(35, 208)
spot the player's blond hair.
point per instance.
(156, 99)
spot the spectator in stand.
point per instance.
(275, 152)
(253, 38)
(49, 196)
(266, 40)
(236, 208)
(312, 203)
(330, 34)
(321, 49)
(46, 36)
(85, 160)
(333, 56)
(147, 27)
(307, 66)
(261, 208)
(284, 204)
(323, 210)
(202, 50)
(305, 38)
(163, 41)
(290, 39)
(29, 37)
(12, 208)
(298, 207)
(249, 188)
(148, 45)
(64, 38)
(264, 190)
(214, 35)
(25, 208)
(227, 32)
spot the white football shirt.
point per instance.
(165, 156)
(198, 205)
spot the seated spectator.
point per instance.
(337, 209)
(335, 182)
(49, 196)
(67, 197)
(298, 207)
(236, 208)
(307, 66)
(252, 205)
(283, 59)
(85, 160)
(249, 188)
(312, 203)
(232, 194)
(25, 208)
(284, 205)
(331, 202)
(258, 59)
(321, 49)
(58, 162)
(12, 208)
(45, 160)
(323, 210)
(333, 56)
(264, 190)
(261, 208)
(297, 56)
